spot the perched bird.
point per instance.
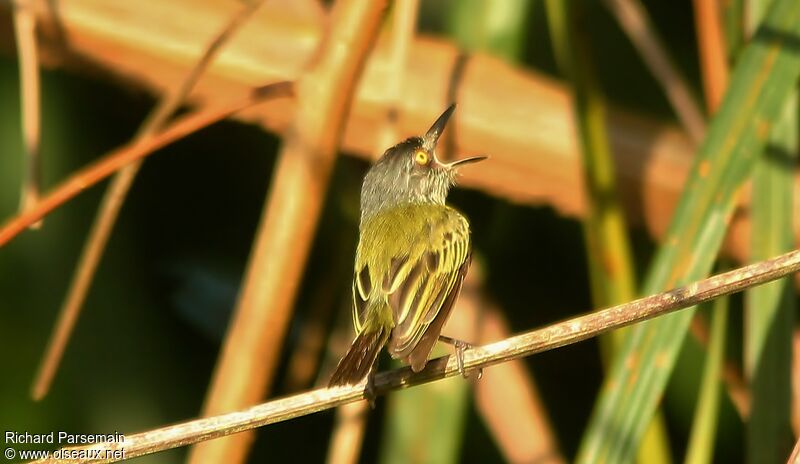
(413, 253)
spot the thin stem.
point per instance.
(30, 93)
(117, 159)
(528, 343)
(634, 20)
(713, 57)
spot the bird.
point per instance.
(412, 256)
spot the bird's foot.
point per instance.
(369, 392)
(460, 346)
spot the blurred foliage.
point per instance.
(145, 346)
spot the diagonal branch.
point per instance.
(117, 159)
(528, 343)
(634, 20)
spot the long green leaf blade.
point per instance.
(704, 426)
(760, 84)
(769, 308)
(605, 232)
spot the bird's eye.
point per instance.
(421, 157)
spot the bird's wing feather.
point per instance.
(431, 281)
(419, 282)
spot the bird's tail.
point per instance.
(360, 358)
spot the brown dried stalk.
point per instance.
(634, 20)
(30, 93)
(351, 420)
(528, 343)
(252, 345)
(510, 405)
(117, 159)
(711, 44)
(112, 202)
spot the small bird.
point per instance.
(413, 253)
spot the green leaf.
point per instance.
(608, 246)
(769, 308)
(426, 424)
(761, 82)
(704, 426)
(494, 26)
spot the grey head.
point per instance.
(410, 173)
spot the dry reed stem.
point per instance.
(30, 95)
(253, 343)
(112, 202)
(509, 403)
(117, 159)
(794, 458)
(634, 20)
(713, 57)
(351, 420)
(347, 436)
(525, 344)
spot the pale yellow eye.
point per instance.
(421, 157)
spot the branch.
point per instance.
(528, 343)
(120, 157)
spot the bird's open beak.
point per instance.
(431, 138)
(461, 162)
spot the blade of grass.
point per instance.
(768, 318)
(715, 76)
(769, 310)
(732, 16)
(252, 346)
(494, 26)
(605, 232)
(796, 382)
(704, 425)
(764, 77)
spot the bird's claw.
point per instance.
(460, 346)
(369, 392)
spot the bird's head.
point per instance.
(410, 173)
